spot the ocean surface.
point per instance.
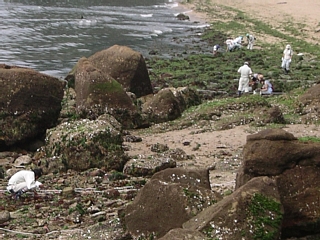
(50, 36)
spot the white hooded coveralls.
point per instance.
(23, 180)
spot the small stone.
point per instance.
(23, 160)
(4, 216)
(68, 192)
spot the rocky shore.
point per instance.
(201, 151)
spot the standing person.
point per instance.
(245, 74)
(23, 181)
(286, 59)
(250, 39)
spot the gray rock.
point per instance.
(87, 144)
(68, 192)
(148, 166)
(4, 216)
(23, 160)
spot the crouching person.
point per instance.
(24, 181)
(266, 88)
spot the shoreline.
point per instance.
(189, 9)
(276, 13)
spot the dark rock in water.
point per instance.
(153, 52)
(30, 103)
(182, 16)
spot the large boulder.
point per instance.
(253, 211)
(296, 167)
(169, 199)
(85, 144)
(123, 64)
(269, 115)
(163, 107)
(168, 103)
(299, 190)
(271, 152)
(126, 66)
(186, 97)
(98, 93)
(30, 103)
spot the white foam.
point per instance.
(201, 26)
(87, 22)
(172, 5)
(186, 12)
(157, 32)
(146, 15)
(143, 36)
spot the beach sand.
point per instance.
(277, 13)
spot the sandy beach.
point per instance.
(277, 13)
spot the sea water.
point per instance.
(50, 36)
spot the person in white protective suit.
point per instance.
(230, 44)
(237, 42)
(286, 59)
(23, 181)
(216, 49)
(250, 39)
(245, 75)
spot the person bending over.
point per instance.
(23, 181)
(266, 87)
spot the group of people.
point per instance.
(249, 81)
(236, 43)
